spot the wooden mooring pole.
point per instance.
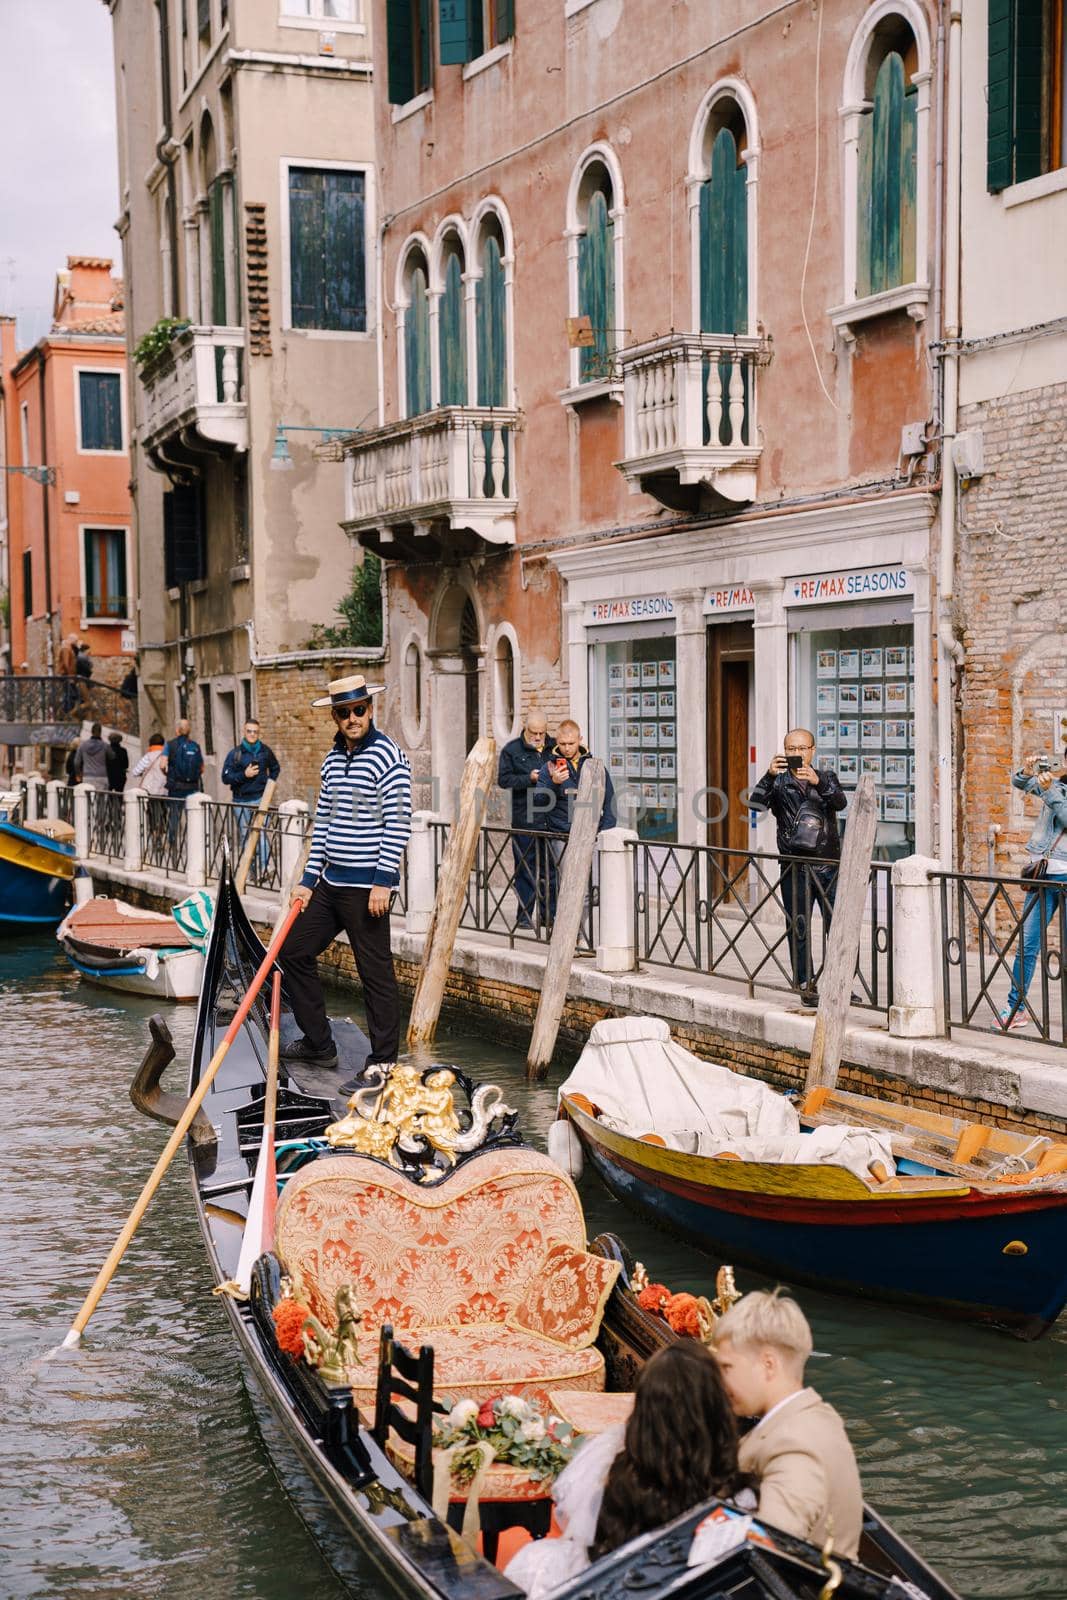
(240, 877)
(842, 947)
(573, 888)
(479, 773)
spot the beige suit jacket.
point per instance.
(809, 1484)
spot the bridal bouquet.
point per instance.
(519, 1433)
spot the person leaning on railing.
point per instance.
(1047, 849)
(521, 763)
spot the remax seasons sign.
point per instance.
(637, 608)
(865, 583)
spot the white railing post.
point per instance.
(195, 841)
(132, 801)
(51, 797)
(81, 820)
(616, 951)
(918, 1009)
(292, 836)
(422, 885)
(33, 797)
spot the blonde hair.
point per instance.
(767, 1317)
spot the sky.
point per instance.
(59, 192)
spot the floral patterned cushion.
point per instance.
(459, 1254)
(564, 1301)
(477, 1363)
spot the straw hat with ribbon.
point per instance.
(348, 691)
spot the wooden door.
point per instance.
(730, 656)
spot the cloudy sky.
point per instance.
(58, 163)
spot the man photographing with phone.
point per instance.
(1047, 848)
(804, 803)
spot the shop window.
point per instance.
(452, 328)
(408, 33)
(417, 337)
(105, 574)
(1026, 128)
(636, 730)
(856, 691)
(327, 250)
(100, 411)
(886, 190)
(596, 273)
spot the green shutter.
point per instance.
(424, 42)
(492, 329)
(401, 50)
(89, 398)
(234, 224)
(344, 267)
(596, 287)
(452, 335)
(886, 245)
(1029, 52)
(504, 19)
(417, 346)
(306, 227)
(457, 30)
(218, 254)
(100, 403)
(724, 240)
(999, 96)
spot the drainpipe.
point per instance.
(46, 510)
(949, 651)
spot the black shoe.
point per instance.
(305, 1054)
(809, 998)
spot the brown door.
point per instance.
(730, 656)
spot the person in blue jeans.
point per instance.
(247, 770)
(1049, 838)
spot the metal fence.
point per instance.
(1002, 949)
(164, 835)
(35, 700)
(514, 883)
(106, 827)
(758, 918)
(65, 804)
(227, 824)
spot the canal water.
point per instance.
(133, 1466)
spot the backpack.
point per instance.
(810, 835)
(183, 764)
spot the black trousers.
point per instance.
(330, 910)
(803, 889)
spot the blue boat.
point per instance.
(36, 874)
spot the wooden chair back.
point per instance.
(402, 1375)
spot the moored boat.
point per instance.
(415, 1216)
(936, 1212)
(135, 951)
(37, 864)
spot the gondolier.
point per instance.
(362, 824)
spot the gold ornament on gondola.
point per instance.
(399, 1112)
(335, 1353)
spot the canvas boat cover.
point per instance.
(643, 1082)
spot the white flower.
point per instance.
(513, 1405)
(532, 1432)
(462, 1412)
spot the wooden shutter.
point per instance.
(457, 29)
(203, 17)
(724, 240)
(89, 402)
(492, 329)
(1029, 43)
(999, 96)
(417, 346)
(452, 335)
(344, 261)
(100, 401)
(184, 555)
(503, 20)
(218, 254)
(886, 245)
(401, 50)
(306, 226)
(596, 287)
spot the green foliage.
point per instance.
(516, 1430)
(5, 608)
(360, 611)
(157, 341)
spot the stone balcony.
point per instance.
(194, 396)
(443, 483)
(691, 437)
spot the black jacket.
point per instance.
(557, 817)
(117, 762)
(518, 760)
(783, 795)
(234, 774)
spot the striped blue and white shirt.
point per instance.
(363, 819)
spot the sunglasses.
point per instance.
(345, 713)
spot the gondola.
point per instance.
(367, 1514)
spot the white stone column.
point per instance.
(616, 951)
(925, 728)
(691, 726)
(292, 836)
(132, 801)
(577, 657)
(81, 821)
(195, 841)
(422, 879)
(448, 723)
(51, 797)
(918, 1011)
(34, 809)
(770, 644)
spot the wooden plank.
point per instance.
(842, 948)
(479, 773)
(240, 877)
(573, 887)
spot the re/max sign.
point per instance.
(639, 608)
(861, 585)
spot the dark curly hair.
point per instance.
(680, 1447)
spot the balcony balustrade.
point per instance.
(691, 438)
(443, 482)
(194, 393)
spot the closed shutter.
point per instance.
(458, 29)
(503, 19)
(885, 256)
(417, 346)
(596, 287)
(218, 254)
(344, 263)
(306, 229)
(1029, 83)
(401, 50)
(453, 335)
(724, 240)
(183, 536)
(492, 331)
(100, 404)
(999, 96)
(105, 573)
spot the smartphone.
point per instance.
(794, 763)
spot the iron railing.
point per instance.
(36, 701)
(514, 882)
(226, 827)
(106, 828)
(724, 912)
(990, 926)
(65, 804)
(164, 835)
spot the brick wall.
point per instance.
(1012, 553)
(299, 735)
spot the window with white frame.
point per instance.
(322, 10)
(505, 691)
(490, 314)
(99, 411)
(594, 267)
(327, 249)
(416, 334)
(452, 324)
(412, 691)
(106, 589)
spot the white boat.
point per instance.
(138, 952)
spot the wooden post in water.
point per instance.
(573, 888)
(240, 877)
(842, 947)
(478, 773)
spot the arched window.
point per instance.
(451, 327)
(596, 271)
(470, 650)
(411, 692)
(416, 336)
(505, 695)
(886, 188)
(490, 306)
(724, 225)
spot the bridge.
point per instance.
(35, 711)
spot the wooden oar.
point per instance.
(259, 1226)
(240, 877)
(118, 1249)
